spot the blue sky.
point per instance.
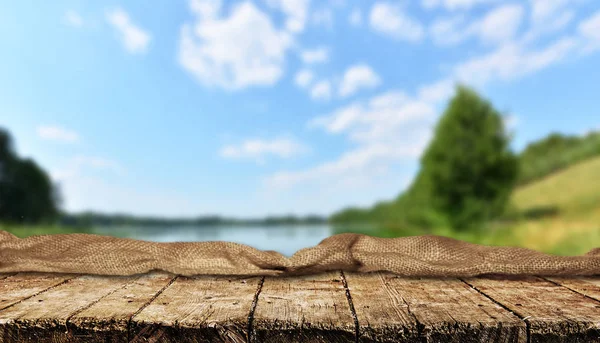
(250, 108)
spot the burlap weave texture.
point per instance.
(426, 255)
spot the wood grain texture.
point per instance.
(44, 317)
(382, 315)
(553, 313)
(18, 287)
(586, 285)
(308, 308)
(198, 309)
(327, 307)
(401, 309)
(108, 319)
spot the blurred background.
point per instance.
(277, 123)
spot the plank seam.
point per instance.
(40, 292)
(388, 290)
(524, 319)
(567, 287)
(146, 304)
(351, 304)
(250, 335)
(85, 307)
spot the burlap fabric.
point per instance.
(427, 255)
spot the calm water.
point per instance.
(284, 239)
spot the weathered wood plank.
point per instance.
(382, 315)
(108, 319)
(405, 309)
(198, 309)
(553, 313)
(17, 287)
(586, 285)
(311, 308)
(44, 317)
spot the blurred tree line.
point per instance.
(467, 175)
(554, 153)
(89, 219)
(27, 194)
(468, 171)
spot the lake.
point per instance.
(286, 239)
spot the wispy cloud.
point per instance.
(134, 39)
(454, 4)
(388, 128)
(390, 19)
(498, 25)
(73, 18)
(321, 90)
(589, 30)
(259, 149)
(295, 10)
(303, 78)
(57, 133)
(319, 55)
(358, 77)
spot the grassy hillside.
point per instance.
(574, 190)
(567, 208)
(558, 214)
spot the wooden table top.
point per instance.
(328, 307)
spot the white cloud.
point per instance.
(395, 127)
(379, 120)
(499, 25)
(303, 78)
(436, 92)
(296, 11)
(57, 133)
(544, 10)
(358, 77)
(239, 51)
(321, 90)
(548, 16)
(258, 149)
(73, 18)
(589, 29)
(318, 55)
(453, 4)
(512, 61)
(388, 129)
(391, 20)
(449, 31)
(355, 17)
(134, 38)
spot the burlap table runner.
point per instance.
(426, 255)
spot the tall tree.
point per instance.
(27, 194)
(468, 167)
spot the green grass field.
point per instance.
(574, 196)
(32, 230)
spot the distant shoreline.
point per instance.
(97, 219)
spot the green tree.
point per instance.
(468, 168)
(27, 194)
